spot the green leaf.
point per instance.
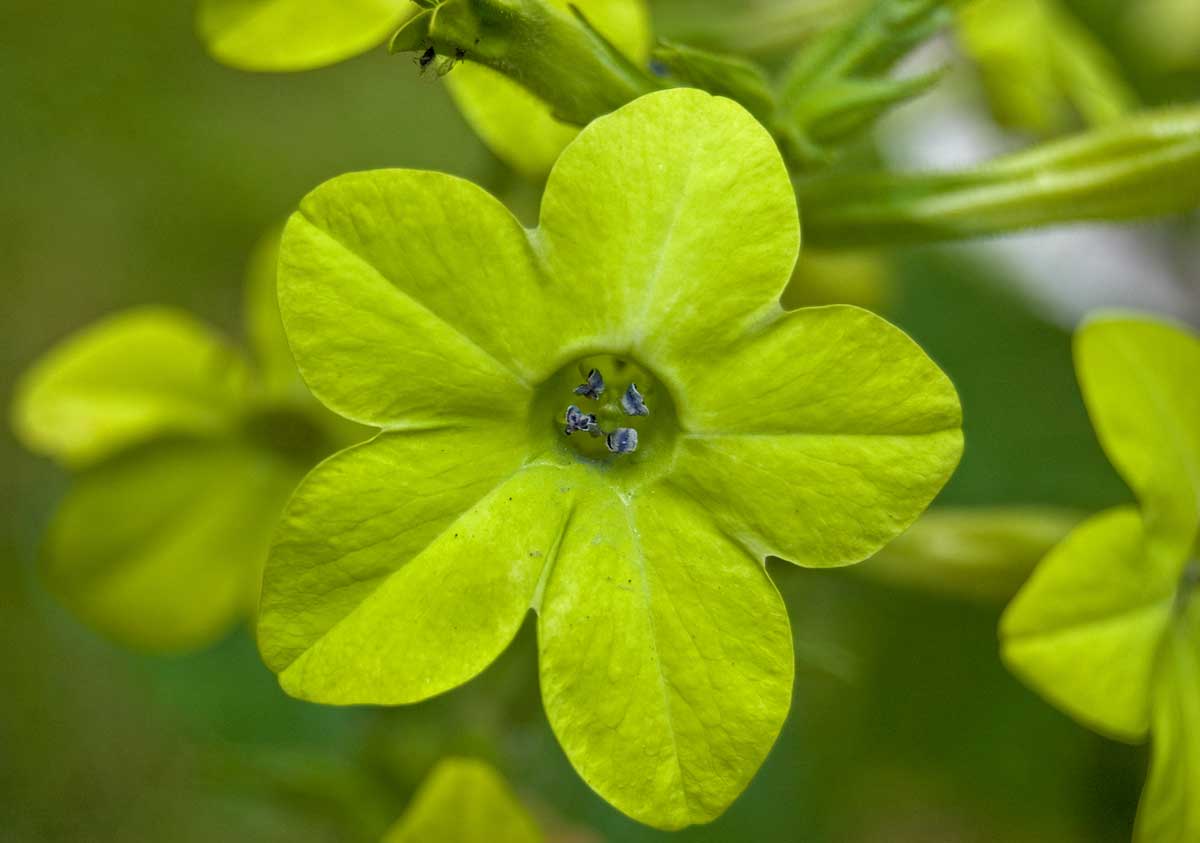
(517, 126)
(464, 801)
(161, 548)
(126, 379)
(820, 438)
(1139, 381)
(286, 35)
(1085, 630)
(1143, 166)
(978, 553)
(1169, 812)
(650, 678)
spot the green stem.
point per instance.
(1146, 166)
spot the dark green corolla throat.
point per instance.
(609, 409)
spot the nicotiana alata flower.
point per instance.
(415, 302)
(1108, 626)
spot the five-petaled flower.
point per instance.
(1108, 627)
(416, 303)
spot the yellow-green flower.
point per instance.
(416, 303)
(1108, 628)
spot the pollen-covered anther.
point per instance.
(623, 440)
(579, 420)
(632, 403)
(594, 387)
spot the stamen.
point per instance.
(623, 440)
(594, 387)
(579, 420)
(632, 403)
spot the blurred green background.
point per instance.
(134, 170)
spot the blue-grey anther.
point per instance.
(632, 403)
(623, 440)
(579, 420)
(594, 387)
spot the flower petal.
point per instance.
(161, 548)
(284, 35)
(666, 657)
(413, 299)
(514, 123)
(1085, 630)
(1169, 811)
(675, 220)
(1139, 380)
(404, 566)
(127, 378)
(819, 439)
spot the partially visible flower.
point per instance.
(184, 451)
(416, 303)
(464, 800)
(1108, 628)
(292, 35)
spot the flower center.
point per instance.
(609, 410)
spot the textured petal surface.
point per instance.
(1085, 630)
(666, 659)
(127, 378)
(1170, 811)
(162, 548)
(820, 438)
(464, 801)
(1139, 379)
(413, 299)
(282, 35)
(514, 123)
(404, 566)
(676, 224)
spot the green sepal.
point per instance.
(837, 84)
(724, 75)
